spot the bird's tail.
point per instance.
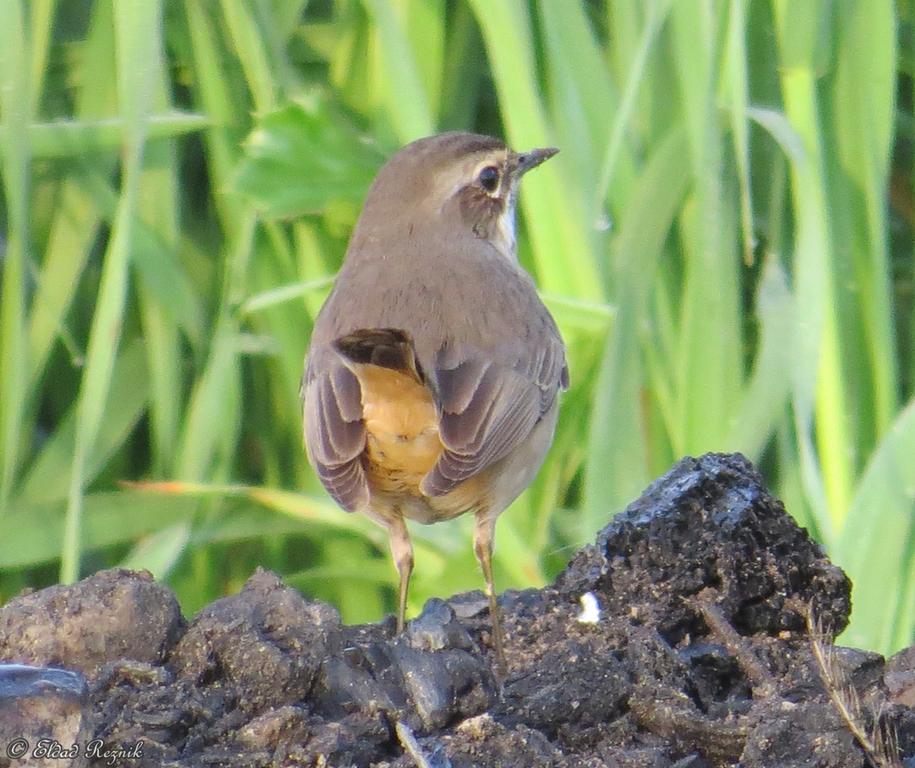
(385, 347)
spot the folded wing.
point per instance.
(334, 431)
(487, 409)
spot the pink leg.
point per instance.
(483, 535)
(402, 551)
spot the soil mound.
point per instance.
(679, 639)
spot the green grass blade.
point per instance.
(314, 510)
(212, 419)
(76, 218)
(622, 117)
(462, 85)
(137, 25)
(582, 94)
(251, 51)
(400, 81)
(425, 30)
(159, 204)
(708, 368)
(275, 296)
(79, 138)
(552, 222)
(154, 258)
(33, 534)
(766, 393)
(591, 317)
(159, 552)
(47, 478)
(862, 118)
(876, 545)
(41, 25)
(14, 116)
(617, 468)
(213, 96)
(213, 413)
(817, 385)
(736, 95)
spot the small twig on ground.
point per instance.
(764, 685)
(672, 715)
(879, 748)
(410, 745)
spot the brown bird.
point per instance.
(431, 385)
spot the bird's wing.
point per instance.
(487, 409)
(334, 431)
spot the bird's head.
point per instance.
(453, 179)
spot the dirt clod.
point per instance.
(267, 643)
(110, 616)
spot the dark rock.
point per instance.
(267, 643)
(289, 736)
(551, 700)
(862, 670)
(900, 722)
(42, 705)
(710, 523)
(482, 742)
(693, 761)
(285, 725)
(437, 628)
(809, 735)
(444, 686)
(469, 604)
(428, 678)
(356, 740)
(18, 681)
(113, 615)
(900, 677)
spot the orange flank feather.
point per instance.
(402, 442)
(403, 445)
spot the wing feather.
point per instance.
(487, 409)
(335, 433)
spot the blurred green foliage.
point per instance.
(725, 239)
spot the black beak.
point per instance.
(525, 161)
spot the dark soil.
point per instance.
(700, 657)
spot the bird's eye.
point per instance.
(489, 178)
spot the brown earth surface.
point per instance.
(696, 654)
